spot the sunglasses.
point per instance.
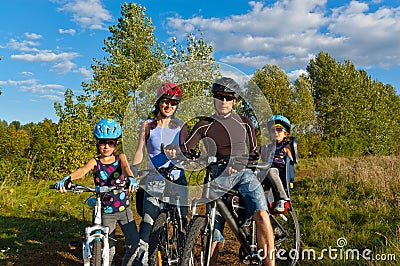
(221, 97)
(169, 101)
(279, 129)
(111, 143)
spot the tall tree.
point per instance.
(291, 99)
(276, 86)
(133, 57)
(75, 137)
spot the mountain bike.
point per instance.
(197, 250)
(95, 247)
(169, 228)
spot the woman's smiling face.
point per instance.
(168, 106)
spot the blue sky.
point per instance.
(47, 46)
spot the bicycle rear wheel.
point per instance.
(287, 237)
(196, 243)
(165, 241)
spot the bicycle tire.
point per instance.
(287, 238)
(195, 242)
(164, 242)
(96, 253)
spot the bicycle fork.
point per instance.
(96, 233)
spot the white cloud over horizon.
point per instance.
(89, 14)
(289, 33)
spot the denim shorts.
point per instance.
(252, 192)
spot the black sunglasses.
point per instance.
(221, 97)
(110, 142)
(169, 101)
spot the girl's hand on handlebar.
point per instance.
(63, 184)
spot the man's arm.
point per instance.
(190, 142)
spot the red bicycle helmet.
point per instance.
(169, 90)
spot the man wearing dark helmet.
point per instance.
(225, 135)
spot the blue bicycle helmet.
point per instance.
(280, 120)
(107, 129)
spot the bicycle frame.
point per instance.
(249, 248)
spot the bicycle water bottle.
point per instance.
(91, 202)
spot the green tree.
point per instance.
(75, 133)
(354, 112)
(133, 57)
(14, 146)
(44, 159)
(276, 86)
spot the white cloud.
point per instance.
(27, 73)
(45, 57)
(62, 61)
(33, 35)
(63, 67)
(87, 13)
(293, 75)
(24, 46)
(53, 97)
(86, 73)
(290, 32)
(68, 31)
(32, 85)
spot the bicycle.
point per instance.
(168, 231)
(95, 247)
(197, 250)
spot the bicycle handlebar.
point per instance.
(97, 189)
(242, 160)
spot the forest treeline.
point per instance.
(335, 108)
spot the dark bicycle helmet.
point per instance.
(169, 90)
(107, 129)
(280, 120)
(225, 84)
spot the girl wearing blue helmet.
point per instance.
(109, 169)
(281, 126)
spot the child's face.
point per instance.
(280, 134)
(107, 146)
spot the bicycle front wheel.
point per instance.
(196, 243)
(96, 253)
(287, 237)
(165, 241)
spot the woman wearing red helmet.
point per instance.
(162, 128)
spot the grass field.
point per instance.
(346, 207)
